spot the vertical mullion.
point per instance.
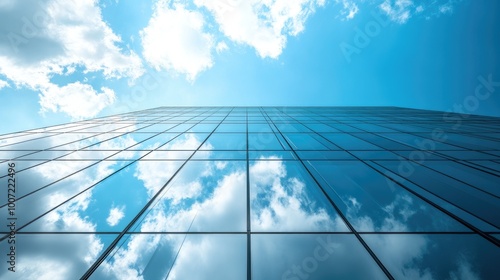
(249, 229)
(337, 209)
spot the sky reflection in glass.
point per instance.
(255, 193)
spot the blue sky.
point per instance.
(62, 61)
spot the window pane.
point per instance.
(371, 204)
(285, 198)
(203, 196)
(446, 256)
(311, 256)
(263, 141)
(53, 256)
(472, 200)
(223, 141)
(148, 256)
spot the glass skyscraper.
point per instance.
(254, 193)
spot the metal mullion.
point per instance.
(108, 250)
(249, 229)
(465, 223)
(432, 152)
(343, 217)
(83, 148)
(93, 185)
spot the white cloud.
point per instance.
(261, 24)
(47, 256)
(397, 10)
(227, 259)
(222, 210)
(7, 3)
(400, 252)
(43, 268)
(284, 202)
(349, 8)
(48, 38)
(445, 9)
(401, 11)
(77, 100)
(221, 46)
(3, 84)
(464, 270)
(155, 174)
(175, 40)
(220, 164)
(67, 256)
(115, 216)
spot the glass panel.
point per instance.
(419, 142)
(37, 155)
(12, 135)
(112, 127)
(50, 194)
(271, 155)
(40, 142)
(476, 178)
(291, 127)
(406, 127)
(468, 155)
(383, 142)
(395, 179)
(203, 127)
(341, 155)
(232, 127)
(183, 127)
(160, 127)
(45, 173)
(371, 204)
(496, 153)
(376, 155)
(148, 256)
(87, 155)
(311, 256)
(104, 142)
(220, 155)
(285, 198)
(186, 141)
(321, 128)
(305, 141)
(152, 141)
(471, 142)
(53, 256)
(95, 140)
(372, 128)
(418, 155)
(418, 256)
(263, 141)
(259, 128)
(345, 128)
(491, 165)
(349, 142)
(20, 165)
(473, 201)
(226, 141)
(203, 196)
(114, 202)
(168, 155)
(131, 155)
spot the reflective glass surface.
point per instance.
(253, 193)
(311, 256)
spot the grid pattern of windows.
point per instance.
(254, 193)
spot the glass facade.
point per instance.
(253, 193)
